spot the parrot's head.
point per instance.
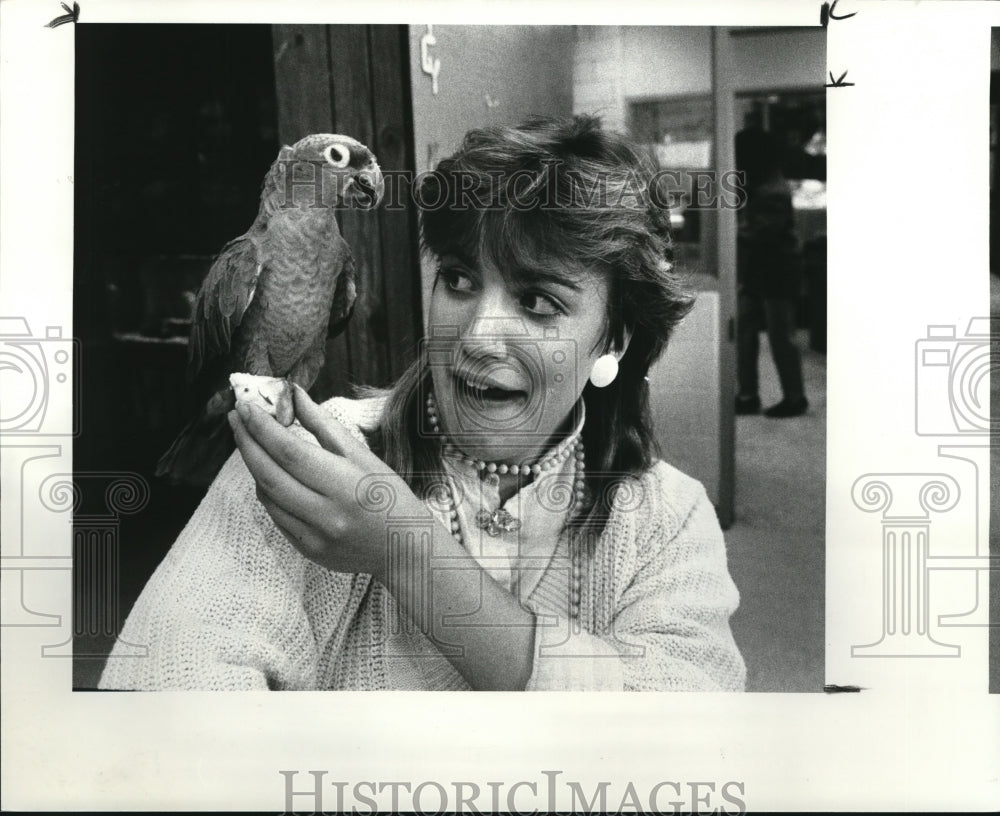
(337, 170)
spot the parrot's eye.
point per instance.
(337, 155)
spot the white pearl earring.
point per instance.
(604, 371)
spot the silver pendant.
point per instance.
(499, 521)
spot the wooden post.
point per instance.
(354, 80)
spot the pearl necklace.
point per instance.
(502, 521)
(552, 460)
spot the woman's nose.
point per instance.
(495, 322)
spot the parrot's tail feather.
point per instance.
(203, 446)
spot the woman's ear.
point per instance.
(620, 352)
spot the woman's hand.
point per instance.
(312, 492)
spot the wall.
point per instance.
(597, 73)
(616, 63)
(662, 61)
(684, 396)
(771, 60)
(488, 75)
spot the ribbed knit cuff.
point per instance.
(569, 660)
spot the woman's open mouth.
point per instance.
(488, 406)
(487, 391)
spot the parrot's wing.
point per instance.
(344, 295)
(222, 301)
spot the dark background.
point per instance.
(176, 126)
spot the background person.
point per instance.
(768, 273)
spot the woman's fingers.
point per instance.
(283, 445)
(310, 464)
(316, 421)
(284, 471)
(331, 434)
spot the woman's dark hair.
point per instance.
(555, 189)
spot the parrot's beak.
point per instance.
(370, 185)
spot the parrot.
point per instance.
(274, 294)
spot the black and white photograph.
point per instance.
(409, 350)
(517, 292)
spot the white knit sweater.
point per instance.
(234, 606)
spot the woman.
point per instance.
(498, 520)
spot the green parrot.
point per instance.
(274, 295)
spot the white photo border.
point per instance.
(908, 227)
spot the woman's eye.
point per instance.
(456, 280)
(541, 305)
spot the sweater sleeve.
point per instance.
(224, 610)
(670, 597)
